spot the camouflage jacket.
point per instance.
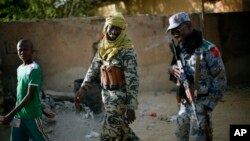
(126, 59)
(212, 76)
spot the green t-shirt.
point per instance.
(29, 75)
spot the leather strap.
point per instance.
(197, 71)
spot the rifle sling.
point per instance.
(197, 71)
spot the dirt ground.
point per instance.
(233, 109)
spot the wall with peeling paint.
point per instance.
(64, 48)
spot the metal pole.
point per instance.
(203, 19)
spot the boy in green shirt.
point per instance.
(28, 106)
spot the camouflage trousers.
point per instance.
(115, 126)
(187, 127)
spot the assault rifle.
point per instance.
(178, 56)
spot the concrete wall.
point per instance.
(64, 48)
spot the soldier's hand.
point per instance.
(131, 115)
(175, 70)
(78, 98)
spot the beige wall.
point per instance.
(64, 48)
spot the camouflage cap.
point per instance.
(177, 19)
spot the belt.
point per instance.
(113, 87)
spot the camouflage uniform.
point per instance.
(211, 85)
(116, 102)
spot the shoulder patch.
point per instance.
(215, 51)
(210, 46)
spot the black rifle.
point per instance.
(179, 58)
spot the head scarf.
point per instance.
(108, 49)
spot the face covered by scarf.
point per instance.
(107, 48)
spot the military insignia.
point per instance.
(211, 47)
(215, 52)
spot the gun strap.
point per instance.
(197, 71)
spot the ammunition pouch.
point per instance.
(112, 77)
